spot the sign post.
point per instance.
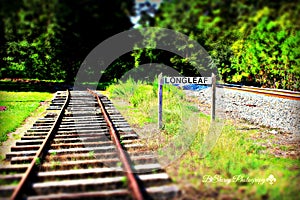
(183, 81)
(160, 99)
(213, 97)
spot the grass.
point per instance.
(32, 85)
(237, 167)
(91, 154)
(124, 181)
(234, 156)
(19, 106)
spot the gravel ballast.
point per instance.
(272, 112)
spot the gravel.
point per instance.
(271, 112)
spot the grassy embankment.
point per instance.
(236, 157)
(19, 106)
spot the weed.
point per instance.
(17, 136)
(15, 182)
(192, 108)
(284, 148)
(75, 167)
(119, 164)
(2, 182)
(141, 94)
(37, 161)
(54, 164)
(124, 181)
(123, 90)
(91, 154)
(234, 154)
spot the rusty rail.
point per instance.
(133, 184)
(286, 94)
(39, 154)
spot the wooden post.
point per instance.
(213, 97)
(160, 99)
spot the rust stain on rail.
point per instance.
(279, 94)
(39, 154)
(133, 184)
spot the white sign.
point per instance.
(187, 80)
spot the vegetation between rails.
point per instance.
(236, 157)
(17, 106)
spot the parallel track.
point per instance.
(286, 94)
(83, 149)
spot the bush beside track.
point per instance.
(241, 150)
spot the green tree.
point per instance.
(253, 42)
(31, 41)
(270, 54)
(50, 39)
(86, 24)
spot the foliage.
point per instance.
(252, 42)
(143, 101)
(271, 52)
(19, 105)
(50, 39)
(141, 94)
(31, 40)
(123, 90)
(128, 91)
(236, 153)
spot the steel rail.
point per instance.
(133, 184)
(17, 194)
(268, 92)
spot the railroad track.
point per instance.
(286, 94)
(83, 149)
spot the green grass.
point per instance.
(19, 106)
(236, 154)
